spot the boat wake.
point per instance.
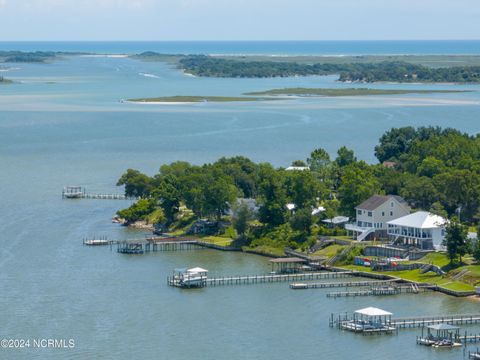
(149, 75)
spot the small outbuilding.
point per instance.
(287, 264)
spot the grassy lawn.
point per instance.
(329, 251)
(218, 240)
(414, 275)
(267, 250)
(436, 258)
(342, 237)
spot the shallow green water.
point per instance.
(75, 131)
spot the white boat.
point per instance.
(187, 278)
(96, 242)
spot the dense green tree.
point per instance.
(136, 183)
(168, 195)
(358, 183)
(459, 189)
(138, 211)
(438, 209)
(345, 157)
(299, 163)
(394, 143)
(302, 188)
(302, 221)
(242, 215)
(456, 241)
(273, 198)
(420, 192)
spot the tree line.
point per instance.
(397, 71)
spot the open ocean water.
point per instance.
(63, 123)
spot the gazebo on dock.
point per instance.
(287, 265)
(73, 192)
(370, 319)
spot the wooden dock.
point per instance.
(270, 278)
(393, 289)
(79, 192)
(155, 244)
(421, 321)
(324, 285)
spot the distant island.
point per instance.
(26, 57)
(345, 92)
(367, 69)
(196, 99)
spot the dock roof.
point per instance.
(288, 260)
(197, 270)
(373, 311)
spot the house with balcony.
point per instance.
(422, 230)
(373, 214)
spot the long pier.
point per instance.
(270, 278)
(324, 285)
(79, 192)
(421, 321)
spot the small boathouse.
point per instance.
(369, 320)
(288, 265)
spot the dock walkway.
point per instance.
(324, 285)
(421, 321)
(270, 278)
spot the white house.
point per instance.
(373, 214)
(297, 168)
(422, 229)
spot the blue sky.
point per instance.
(238, 19)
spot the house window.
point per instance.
(359, 212)
(383, 213)
(370, 213)
(391, 204)
(391, 213)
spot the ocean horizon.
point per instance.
(242, 47)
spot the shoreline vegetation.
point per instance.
(27, 57)
(196, 99)
(346, 92)
(258, 208)
(366, 69)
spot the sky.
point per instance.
(239, 19)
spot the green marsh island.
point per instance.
(197, 99)
(346, 92)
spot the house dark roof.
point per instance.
(376, 200)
